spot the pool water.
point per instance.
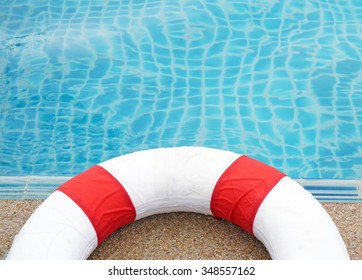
(84, 81)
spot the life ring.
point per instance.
(83, 211)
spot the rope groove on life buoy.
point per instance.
(83, 211)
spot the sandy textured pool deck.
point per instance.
(182, 235)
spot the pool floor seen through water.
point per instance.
(85, 81)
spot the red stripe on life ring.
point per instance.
(102, 198)
(241, 189)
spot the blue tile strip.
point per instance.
(40, 187)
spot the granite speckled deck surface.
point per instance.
(182, 235)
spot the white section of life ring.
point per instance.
(170, 179)
(58, 229)
(293, 225)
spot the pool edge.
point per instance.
(40, 187)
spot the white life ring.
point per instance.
(82, 212)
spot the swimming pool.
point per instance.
(84, 81)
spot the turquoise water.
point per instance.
(84, 81)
